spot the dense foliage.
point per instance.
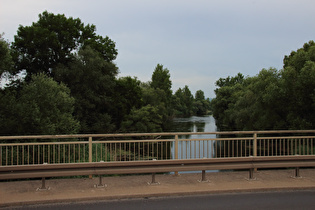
(41, 106)
(91, 80)
(71, 85)
(273, 99)
(54, 40)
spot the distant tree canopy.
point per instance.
(71, 85)
(156, 104)
(53, 40)
(5, 57)
(272, 99)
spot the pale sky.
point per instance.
(198, 41)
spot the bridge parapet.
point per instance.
(86, 148)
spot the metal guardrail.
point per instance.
(138, 167)
(84, 148)
(98, 154)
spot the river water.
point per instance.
(194, 124)
(195, 149)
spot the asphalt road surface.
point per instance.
(259, 200)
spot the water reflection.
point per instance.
(193, 124)
(196, 148)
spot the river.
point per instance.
(198, 149)
(194, 124)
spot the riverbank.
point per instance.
(122, 187)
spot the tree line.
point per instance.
(63, 80)
(271, 100)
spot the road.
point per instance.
(259, 200)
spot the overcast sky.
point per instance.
(198, 41)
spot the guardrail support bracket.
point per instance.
(203, 177)
(153, 180)
(297, 173)
(43, 187)
(251, 174)
(100, 184)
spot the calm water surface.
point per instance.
(193, 124)
(195, 149)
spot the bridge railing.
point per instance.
(84, 148)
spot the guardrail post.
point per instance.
(0, 155)
(43, 187)
(251, 174)
(90, 149)
(90, 153)
(297, 172)
(203, 176)
(153, 180)
(43, 184)
(100, 183)
(176, 151)
(255, 147)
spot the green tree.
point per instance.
(297, 59)
(183, 102)
(201, 105)
(91, 80)
(226, 97)
(297, 84)
(161, 79)
(127, 96)
(155, 98)
(6, 62)
(259, 104)
(200, 95)
(41, 107)
(53, 40)
(299, 89)
(9, 119)
(144, 120)
(162, 83)
(271, 100)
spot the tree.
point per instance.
(297, 59)
(199, 95)
(6, 62)
(299, 89)
(297, 85)
(127, 96)
(54, 40)
(183, 102)
(273, 99)
(161, 79)
(41, 107)
(91, 80)
(259, 105)
(201, 105)
(144, 120)
(225, 99)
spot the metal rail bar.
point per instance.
(153, 134)
(56, 149)
(158, 166)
